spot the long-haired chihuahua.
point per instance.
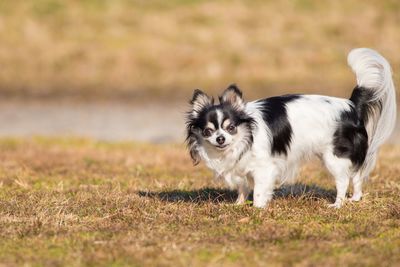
(252, 145)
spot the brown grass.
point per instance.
(147, 48)
(69, 202)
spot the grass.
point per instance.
(70, 202)
(136, 48)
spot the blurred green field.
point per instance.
(133, 48)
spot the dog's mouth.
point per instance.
(221, 147)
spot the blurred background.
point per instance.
(125, 69)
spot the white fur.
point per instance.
(374, 72)
(313, 119)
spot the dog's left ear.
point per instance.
(233, 96)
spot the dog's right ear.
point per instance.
(199, 101)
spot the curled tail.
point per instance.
(374, 99)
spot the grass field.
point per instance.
(80, 202)
(69, 202)
(137, 48)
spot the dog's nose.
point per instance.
(220, 139)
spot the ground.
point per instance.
(69, 202)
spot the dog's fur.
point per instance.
(252, 145)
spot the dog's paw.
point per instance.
(336, 205)
(240, 202)
(356, 198)
(259, 205)
(246, 202)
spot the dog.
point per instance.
(253, 145)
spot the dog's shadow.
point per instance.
(217, 195)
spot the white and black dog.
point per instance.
(252, 145)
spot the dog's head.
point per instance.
(218, 127)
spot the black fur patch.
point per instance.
(212, 117)
(351, 138)
(275, 116)
(361, 97)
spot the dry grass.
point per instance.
(138, 48)
(78, 202)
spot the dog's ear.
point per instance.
(199, 101)
(233, 96)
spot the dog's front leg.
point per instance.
(264, 184)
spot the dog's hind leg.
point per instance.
(241, 184)
(244, 186)
(340, 168)
(357, 187)
(361, 176)
(243, 193)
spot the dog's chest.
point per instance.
(230, 164)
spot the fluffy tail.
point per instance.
(374, 98)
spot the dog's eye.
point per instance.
(207, 132)
(231, 128)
